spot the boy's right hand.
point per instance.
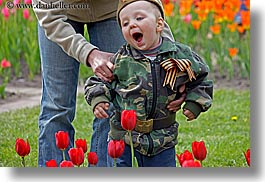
(100, 110)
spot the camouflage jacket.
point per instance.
(138, 85)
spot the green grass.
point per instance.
(225, 139)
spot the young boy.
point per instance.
(149, 72)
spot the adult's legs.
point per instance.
(58, 102)
(106, 35)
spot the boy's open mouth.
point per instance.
(137, 36)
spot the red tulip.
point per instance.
(92, 158)
(28, 1)
(199, 150)
(22, 147)
(79, 143)
(16, 2)
(76, 156)
(5, 63)
(128, 119)
(62, 140)
(187, 18)
(51, 163)
(247, 156)
(5, 12)
(26, 13)
(116, 148)
(66, 164)
(186, 155)
(191, 163)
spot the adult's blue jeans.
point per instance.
(59, 89)
(166, 158)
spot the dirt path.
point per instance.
(22, 93)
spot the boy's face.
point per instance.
(141, 24)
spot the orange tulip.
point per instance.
(230, 15)
(185, 7)
(215, 29)
(240, 29)
(168, 9)
(196, 24)
(202, 15)
(245, 15)
(232, 27)
(233, 51)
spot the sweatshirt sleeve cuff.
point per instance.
(193, 107)
(84, 53)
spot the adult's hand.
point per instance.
(101, 64)
(175, 105)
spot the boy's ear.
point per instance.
(160, 24)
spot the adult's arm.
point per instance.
(56, 28)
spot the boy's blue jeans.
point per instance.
(59, 88)
(166, 158)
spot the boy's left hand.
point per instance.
(175, 105)
(100, 110)
(188, 114)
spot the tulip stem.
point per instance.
(63, 155)
(115, 163)
(23, 162)
(132, 150)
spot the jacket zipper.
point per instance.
(153, 72)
